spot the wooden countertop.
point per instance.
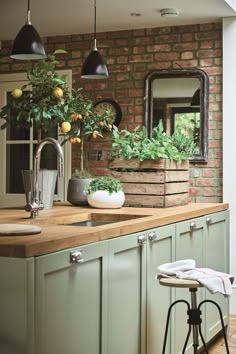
(56, 236)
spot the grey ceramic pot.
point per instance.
(76, 191)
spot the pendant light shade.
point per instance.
(28, 44)
(94, 66)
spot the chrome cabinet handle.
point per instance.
(152, 236)
(192, 226)
(141, 239)
(208, 220)
(76, 257)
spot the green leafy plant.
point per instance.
(42, 102)
(80, 174)
(136, 144)
(46, 102)
(109, 184)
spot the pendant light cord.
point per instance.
(28, 14)
(95, 25)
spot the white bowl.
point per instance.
(102, 199)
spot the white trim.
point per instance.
(229, 141)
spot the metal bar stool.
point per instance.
(193, 312)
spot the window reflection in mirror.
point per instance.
(180, 99)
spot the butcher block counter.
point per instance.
(93, 289)
(57, 233)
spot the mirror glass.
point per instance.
(179, 98)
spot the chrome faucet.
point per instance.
(35, 203)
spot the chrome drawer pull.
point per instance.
(192, 226)
(208, 220)
(76, 257)
(141, 239)
(152, 236)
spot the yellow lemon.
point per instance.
(95, 134)
(16, 93)
(65, 127)
(57, 92)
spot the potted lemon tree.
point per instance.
(46, 102)
(81, 126)
(41, 104)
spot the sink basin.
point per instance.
(95, 219)
(90, 219)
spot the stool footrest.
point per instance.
(194, 316)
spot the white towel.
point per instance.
(172, 268)
(215, 282)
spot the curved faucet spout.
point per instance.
(36, 204)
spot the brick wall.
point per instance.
(130, 55)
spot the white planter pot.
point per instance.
(102, 199)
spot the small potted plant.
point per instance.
(78, 183)
(105, 192)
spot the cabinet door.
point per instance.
(161, 249)
(127, 295)
(217, 258)
(189, 245)
(71, 302)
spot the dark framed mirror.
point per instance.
(180, 99)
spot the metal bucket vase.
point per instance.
(47, 184)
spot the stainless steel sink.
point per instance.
(90, 223)
(98, 219)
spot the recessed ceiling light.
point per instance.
(135, 14)
(169, 12)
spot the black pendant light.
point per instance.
(28, 44)
(94, 66)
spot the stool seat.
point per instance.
(179, 283)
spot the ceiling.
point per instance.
(59, 17)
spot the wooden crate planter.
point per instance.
(152, 183)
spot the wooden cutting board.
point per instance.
(18, 229)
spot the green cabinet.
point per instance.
(217, 258)
(71, 301)
(94, 304)
(126, 295)
(103, 298)
(160, 249)
(206, 240)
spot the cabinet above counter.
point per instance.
(64, 226)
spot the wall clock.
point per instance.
(113, 107)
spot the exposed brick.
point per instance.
(209, 53)
(187, 55)
(210, 173)
(139, 50)
(141, 58)
(185, 46)
(206, 62)
(194, 191)
(167, 56)
(130, 55)
(187, 37)
(159, 48)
